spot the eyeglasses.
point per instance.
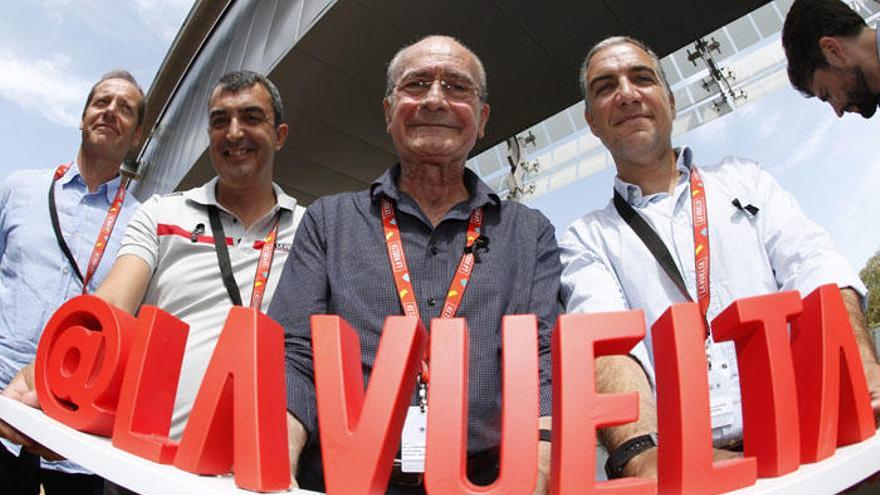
(452, 90)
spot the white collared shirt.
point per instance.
(608, 268)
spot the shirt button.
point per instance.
(434, 250)
(65, 270)
(432, 301)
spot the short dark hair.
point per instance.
(806, 22)
(240, 79)
(125, 76)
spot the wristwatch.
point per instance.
(626, 451)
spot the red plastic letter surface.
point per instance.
(835, 407)
(446, 457)
(80, 362)
(759, 328)
(239, 418)
(685, 464)
(360, 432)
(146, 400)
(578, 410)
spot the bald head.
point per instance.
(434, 44)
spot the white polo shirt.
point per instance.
(186, 279)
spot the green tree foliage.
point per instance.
(870, 275)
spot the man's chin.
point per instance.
(868, 111)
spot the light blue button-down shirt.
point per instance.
(35, 276)
(608, 268)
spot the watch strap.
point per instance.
(544, 435)
(618, 459)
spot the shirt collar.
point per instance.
(633, 193)
(480, 192)
(108, 189)
(207, 195)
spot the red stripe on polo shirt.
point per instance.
(165, 229)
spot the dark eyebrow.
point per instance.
(636, 69)
(643, 68)
(599, 79)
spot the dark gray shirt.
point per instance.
(339, 265)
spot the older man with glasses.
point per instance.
(435, 110)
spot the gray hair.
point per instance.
(237, 80)
(613, 41)
(394, 69)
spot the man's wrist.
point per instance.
(627, 452)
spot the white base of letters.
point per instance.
(98, 455)
(846, 468)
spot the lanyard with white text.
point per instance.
(401, 272)
(701, 242)
(264, 266)
(103, 234)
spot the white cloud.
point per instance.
(163, 17)
(44, 86)
(816, 143)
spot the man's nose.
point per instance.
(234, 130)
(435, 97)
(627, 92)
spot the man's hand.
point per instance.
(296, 440)
(21, 388)
(644, 465)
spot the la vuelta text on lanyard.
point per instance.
(267, 252)
(402, 276)
(103, 234)
(655, 245)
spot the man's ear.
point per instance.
(281, 135)
(386, 105)
(835, 52)
(484, 118)
(589, 118)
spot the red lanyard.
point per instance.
(701, 239)
(402, 277)
(264, 265)
(261, 279)
(103, 235)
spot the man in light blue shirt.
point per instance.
(36, 276)
(759, 243)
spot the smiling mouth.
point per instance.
(236, 153)
(631, 118)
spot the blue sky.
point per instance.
(52, 51)
(830, 165)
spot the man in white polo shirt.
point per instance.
(195, 254)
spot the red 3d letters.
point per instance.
(577, 340)
(833, 401)
(238, 422)
(100, 370)
(80, 360)
(446, 458)
(684, 453)
(759, 328)
(360, 432)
